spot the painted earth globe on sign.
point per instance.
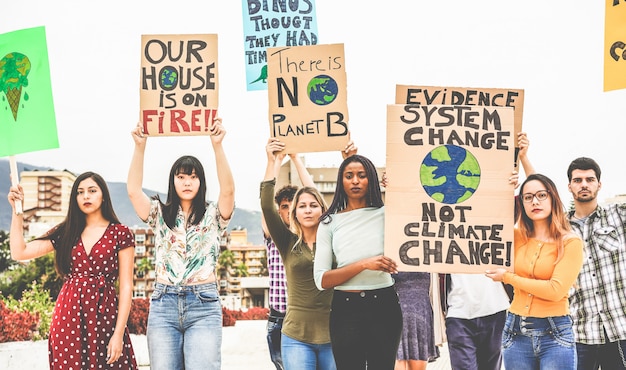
(169, 78)
(322, 90)
(450, 174)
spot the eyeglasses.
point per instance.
(541, 195)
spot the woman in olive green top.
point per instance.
(305, 342)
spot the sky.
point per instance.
(553, 50)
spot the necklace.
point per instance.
(542, 242)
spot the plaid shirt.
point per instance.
(598, 301)
(278, 281)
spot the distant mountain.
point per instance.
(246, 219)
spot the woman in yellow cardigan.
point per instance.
(548, 256)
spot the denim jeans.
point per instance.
(365, 329)
(538, 343)
(185, 327)
(274, 327)
(298, 355)
(610, 355)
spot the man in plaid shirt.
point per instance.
(598, 301)
(278, 281)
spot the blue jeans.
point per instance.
(538, 343)
(185, 327)
(610, 355)
(298, 355)
(274, 327)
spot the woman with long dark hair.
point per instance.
(366, 319)
(185, 320)
(92, 250)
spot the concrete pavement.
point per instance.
(244, 346)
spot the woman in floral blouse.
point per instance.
(185, 320)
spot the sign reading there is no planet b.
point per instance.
(307, 94)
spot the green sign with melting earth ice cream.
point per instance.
(27, 119)
(14, 69)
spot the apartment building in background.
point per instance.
(144, 277)
(46, 199)
(241, 282)
(247, 280)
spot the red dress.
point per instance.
(85, 313)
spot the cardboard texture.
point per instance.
(268, 25)
(307, 94)
(473, 96)
(448, 204)
(27, 118)
(615, 45)
(178, 84)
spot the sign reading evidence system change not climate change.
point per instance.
(179, 84)
(475, 96)
(308, 106)
(449, 205)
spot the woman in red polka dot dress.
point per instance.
(92, 250)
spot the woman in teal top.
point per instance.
(305, 342)
(366, 319)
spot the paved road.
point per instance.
(243, 347)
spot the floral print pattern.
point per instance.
(186, 255)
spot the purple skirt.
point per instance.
(418, 337)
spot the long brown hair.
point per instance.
(559, 226)
(68, 231)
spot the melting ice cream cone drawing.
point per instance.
(14, 96)
(14, 69)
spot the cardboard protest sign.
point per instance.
(615, 45)
(27, 119)
(179, 84)
(448, 205)
(273, 24)
(489, 97)
(308, 105)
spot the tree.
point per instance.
(264, 270)
(225, 261)
(241, 270)
(5, 252)
(40, 269)
(143, 266)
